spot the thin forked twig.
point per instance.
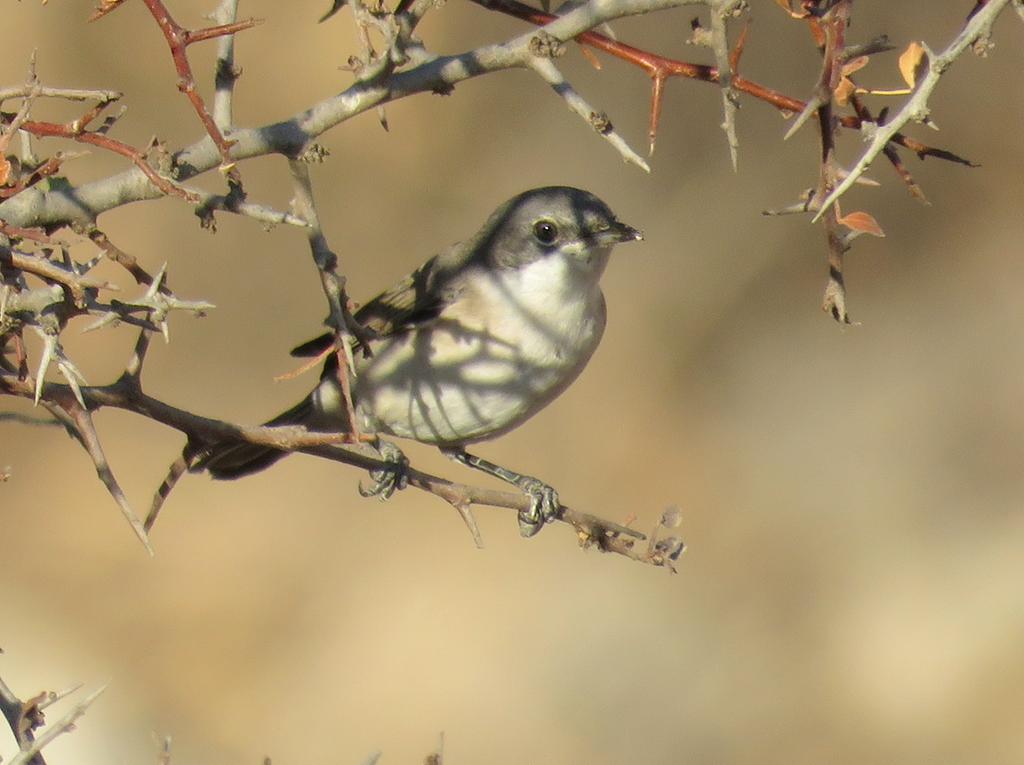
(178, 39)
(597, 120)
(31, 755)
(344, 324)
(76, 132)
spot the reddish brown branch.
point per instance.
(45, 170)
(178, 39)
(890, 153)
(19, 232)
(127, 261)
(833, 25)
(75, 132)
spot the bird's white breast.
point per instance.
(505, 348)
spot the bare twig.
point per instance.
(834, 24)
(721, 10)
(105, 7)
(76, 132)
(43, 171)
(231, 203)
(30, 756)
(52, 351)
(52, 272)
(69, 94)
(347, 330)
(128, 262)
(891, 154)
(77, 419)
(156, 304)
(32, 234)
(226, 73)
(86, 432)
(53, 697)
(23, 718)
(597, 120)
(178, 39)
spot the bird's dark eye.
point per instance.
(545, 231)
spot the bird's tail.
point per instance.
(226, 460)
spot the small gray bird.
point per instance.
(470, 345)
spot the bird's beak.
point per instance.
(616, 233)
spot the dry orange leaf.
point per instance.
(855, 65)
(912, 63)
(5, 170)
(862, 221)
(844, 90)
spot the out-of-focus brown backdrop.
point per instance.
(852, 498)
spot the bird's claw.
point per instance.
(544, 505)
(386, 481)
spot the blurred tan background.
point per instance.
(852, 498)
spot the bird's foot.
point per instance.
(544, 505)
(386, 481)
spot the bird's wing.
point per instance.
(415, 300)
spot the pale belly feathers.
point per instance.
(511, 343)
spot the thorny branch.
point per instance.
(178, 39)
(23, 719)
(32, 211)
(833, 27)
(69, 403)
(68, 292)
(26, 717)
(76, 131)
(429, 73)
(835, 85)
(346, 329)
(127, 394)
(915, 109)
(660, 68)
